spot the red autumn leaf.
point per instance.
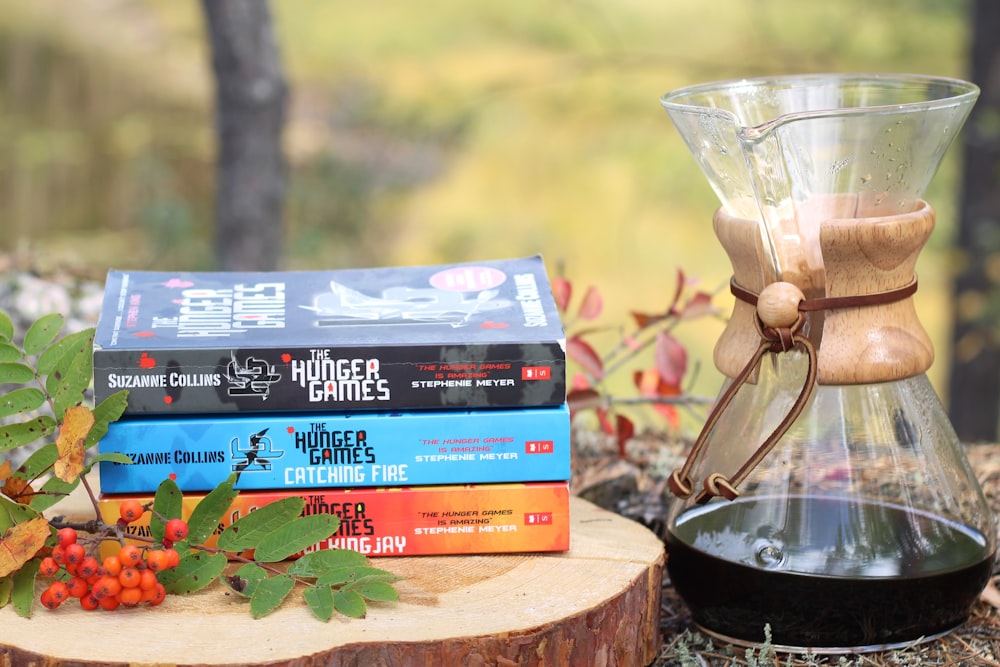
(582, 399)
(669, 413)
(20, 543)
(592, 305)
(604, 419)
(647, 381)
(643, 320)
(671, 359)
(672, 309)
(562, 290)
(699, 305)
(582, 353)
(624, 430)
(580, 381)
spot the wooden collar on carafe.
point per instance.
(780, 316)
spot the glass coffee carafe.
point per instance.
(827, 495)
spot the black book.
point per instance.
(484, 334)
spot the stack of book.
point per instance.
(425, 406)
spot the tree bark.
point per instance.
(251, 98)
(974, 386)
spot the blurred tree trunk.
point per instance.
(974, 387)
(251, 95)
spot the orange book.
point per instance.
(415, 521)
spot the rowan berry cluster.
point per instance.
(127, 578)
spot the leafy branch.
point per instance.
(660, 385)
(50, 376)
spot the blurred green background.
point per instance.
(436, 131)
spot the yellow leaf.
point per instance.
(5, 471)
(17, 490)
(70, 445)
(19, 544)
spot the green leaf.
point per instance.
(50, 358)
(110, 457)
(52, 491)
(353, 574)
(6, 327)
(12, 513)
(71, 376)
(315, 563)
(9, 352)
(301, 533)
(22, 592)
(208, 513)
(349, 603)
(5, 586)
(42, 332)
(320, 601)
(43, 459)
(15, 435)
(377, 591)
(168, 503)
(109, 410)
(21, 400)
(14, 372)
(245, 580)
(194, 572)
(269, 594)
(250, 529)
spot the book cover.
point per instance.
(461, 335)
(416, 521)
(314, 450)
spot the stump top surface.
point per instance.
(459, 607)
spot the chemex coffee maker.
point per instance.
(827, 495)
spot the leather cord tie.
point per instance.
(781, 333)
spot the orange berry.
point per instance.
(148, 594)
(129, 577)
(59, 591)
(77, 587)
(112, 565)
(156, 561)
(87, 567)
(59, 554)
(49, 567)
(175, 530)
(147, 579)
(110, 602)
(173, 558)
(48, 600)
(66, 536)
(130, 597)
(130, 510)
(130, 555)
(74, 553)
(160, 595)
(107, 586)
(89, 602)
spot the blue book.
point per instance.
(484, 334)
(335, 450)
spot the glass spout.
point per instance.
(793, 151)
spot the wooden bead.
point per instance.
(778, 305)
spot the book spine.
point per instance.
(418, 521)
(298, 450)
(391, 377)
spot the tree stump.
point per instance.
(597, 604)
